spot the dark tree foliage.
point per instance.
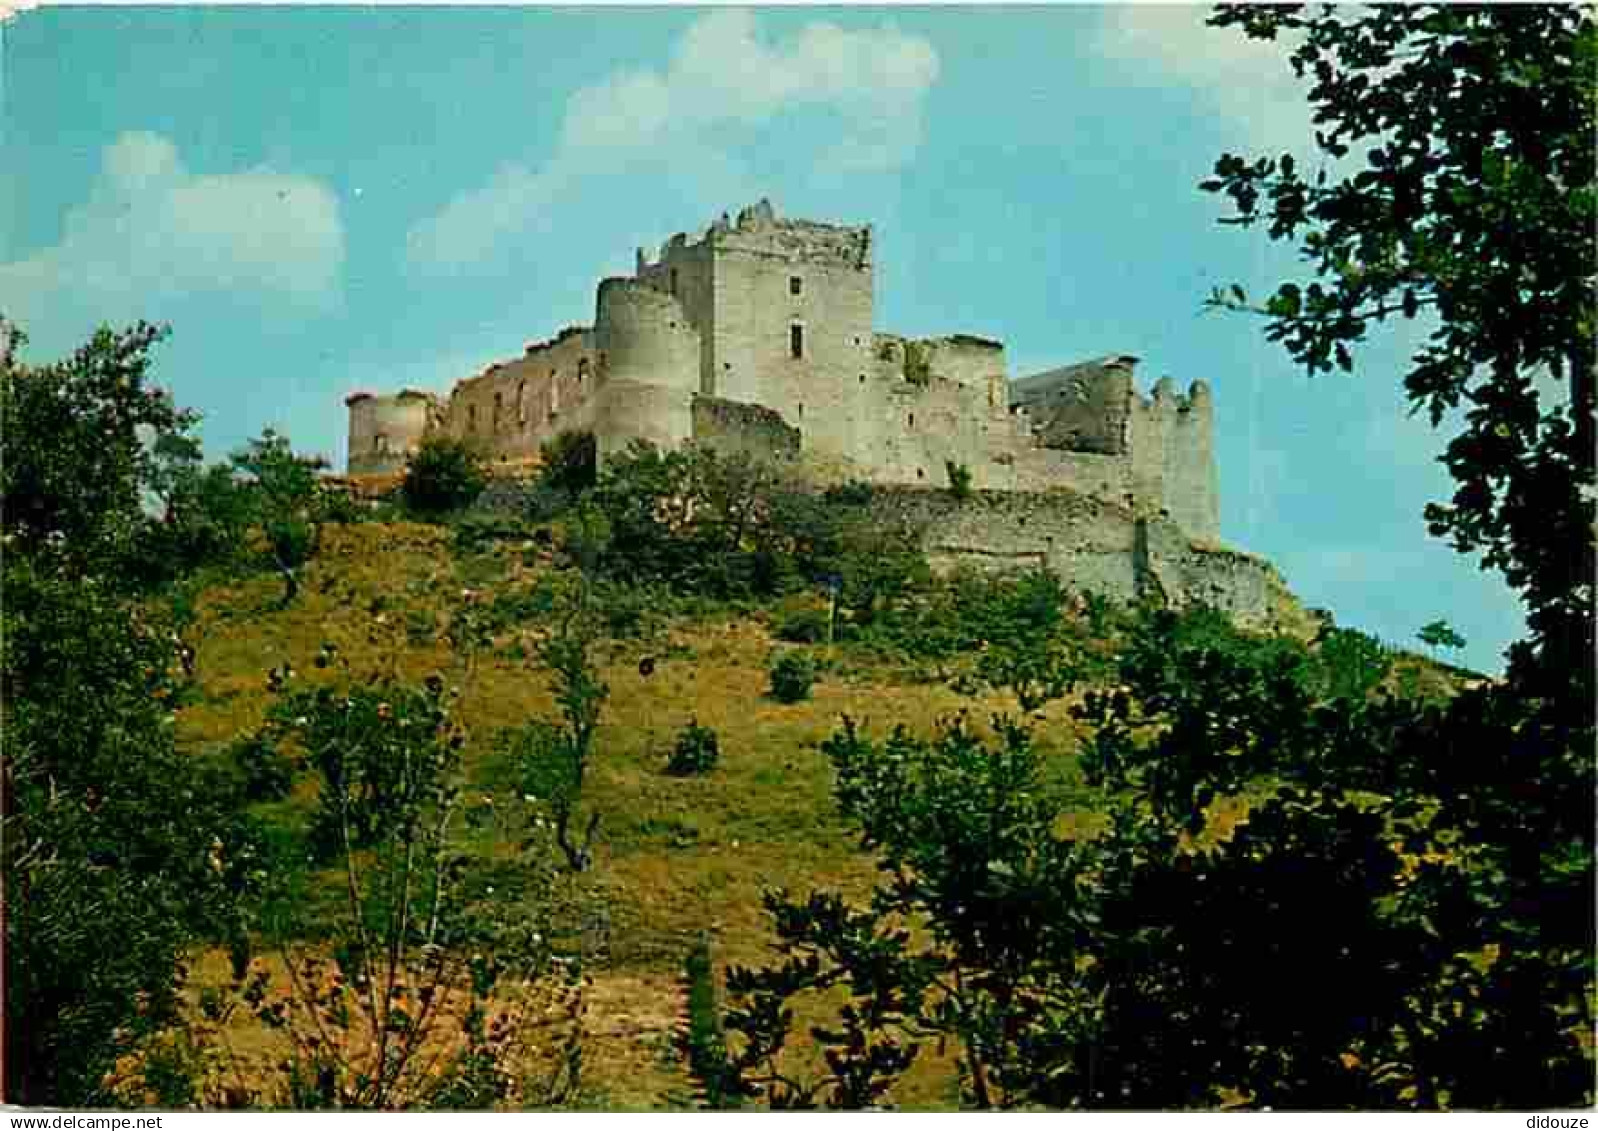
(1282, 899)
(117, 855)
(1458, 180)
(444, 474)
(1372, 920)
(206, 512)
(570, 463)
(1466, 190)
(76, 463)
(730, 526)
(286, 501)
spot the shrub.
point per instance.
(854, 493)
(476, 533)
(570, 463)
(264, 772)
(365, 747)
(696, 752)
(701, 1038)
(444, 474)
(802, 625)
(1351, 664)
(959, 480)
(791, 677)
(286, 501)
(552, 757)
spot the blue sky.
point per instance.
(320, 200)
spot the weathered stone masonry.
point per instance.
(757, 334)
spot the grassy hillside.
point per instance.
(676, 856)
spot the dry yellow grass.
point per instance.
(676, 856)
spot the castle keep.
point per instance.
(756, 334)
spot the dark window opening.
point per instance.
(912, 420)
(801, 412)
(582, 368)
(794, 285)
(862, 378)
(674, 280)
(921, 473)
(796, 341)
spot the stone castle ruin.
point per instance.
(757, 335)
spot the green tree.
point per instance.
(962, 829)
(1459, 183)
(205, 512)
(570, 463)
(286, 499)
(80, 440)
(1438, 634)
(444, 474)
(117, 854)
(1460, 147)
(410, 1010)
(553, 757)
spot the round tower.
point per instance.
(648, 367)
(385, 430)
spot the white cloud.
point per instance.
(723, 84)
(151, 230)
(9, 9)
(1247, 84)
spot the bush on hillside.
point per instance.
(570, 464)
(696, 751)
(444, 474)
(791, 676)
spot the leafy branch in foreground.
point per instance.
(1457, 185)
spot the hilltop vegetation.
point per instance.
(465, 796)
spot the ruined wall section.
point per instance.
(913, 407)
(385, 430)
(1081, 408)
(1160, 448)
(733, 427)
(1192, 479)
(1092, 544)
(1173, 458)
(512, 408)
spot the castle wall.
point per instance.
(1192, 489)
(1092, 545)
(636, 410)
(1163, 442)
(735, 427)
(513, 408)
(384, 430)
